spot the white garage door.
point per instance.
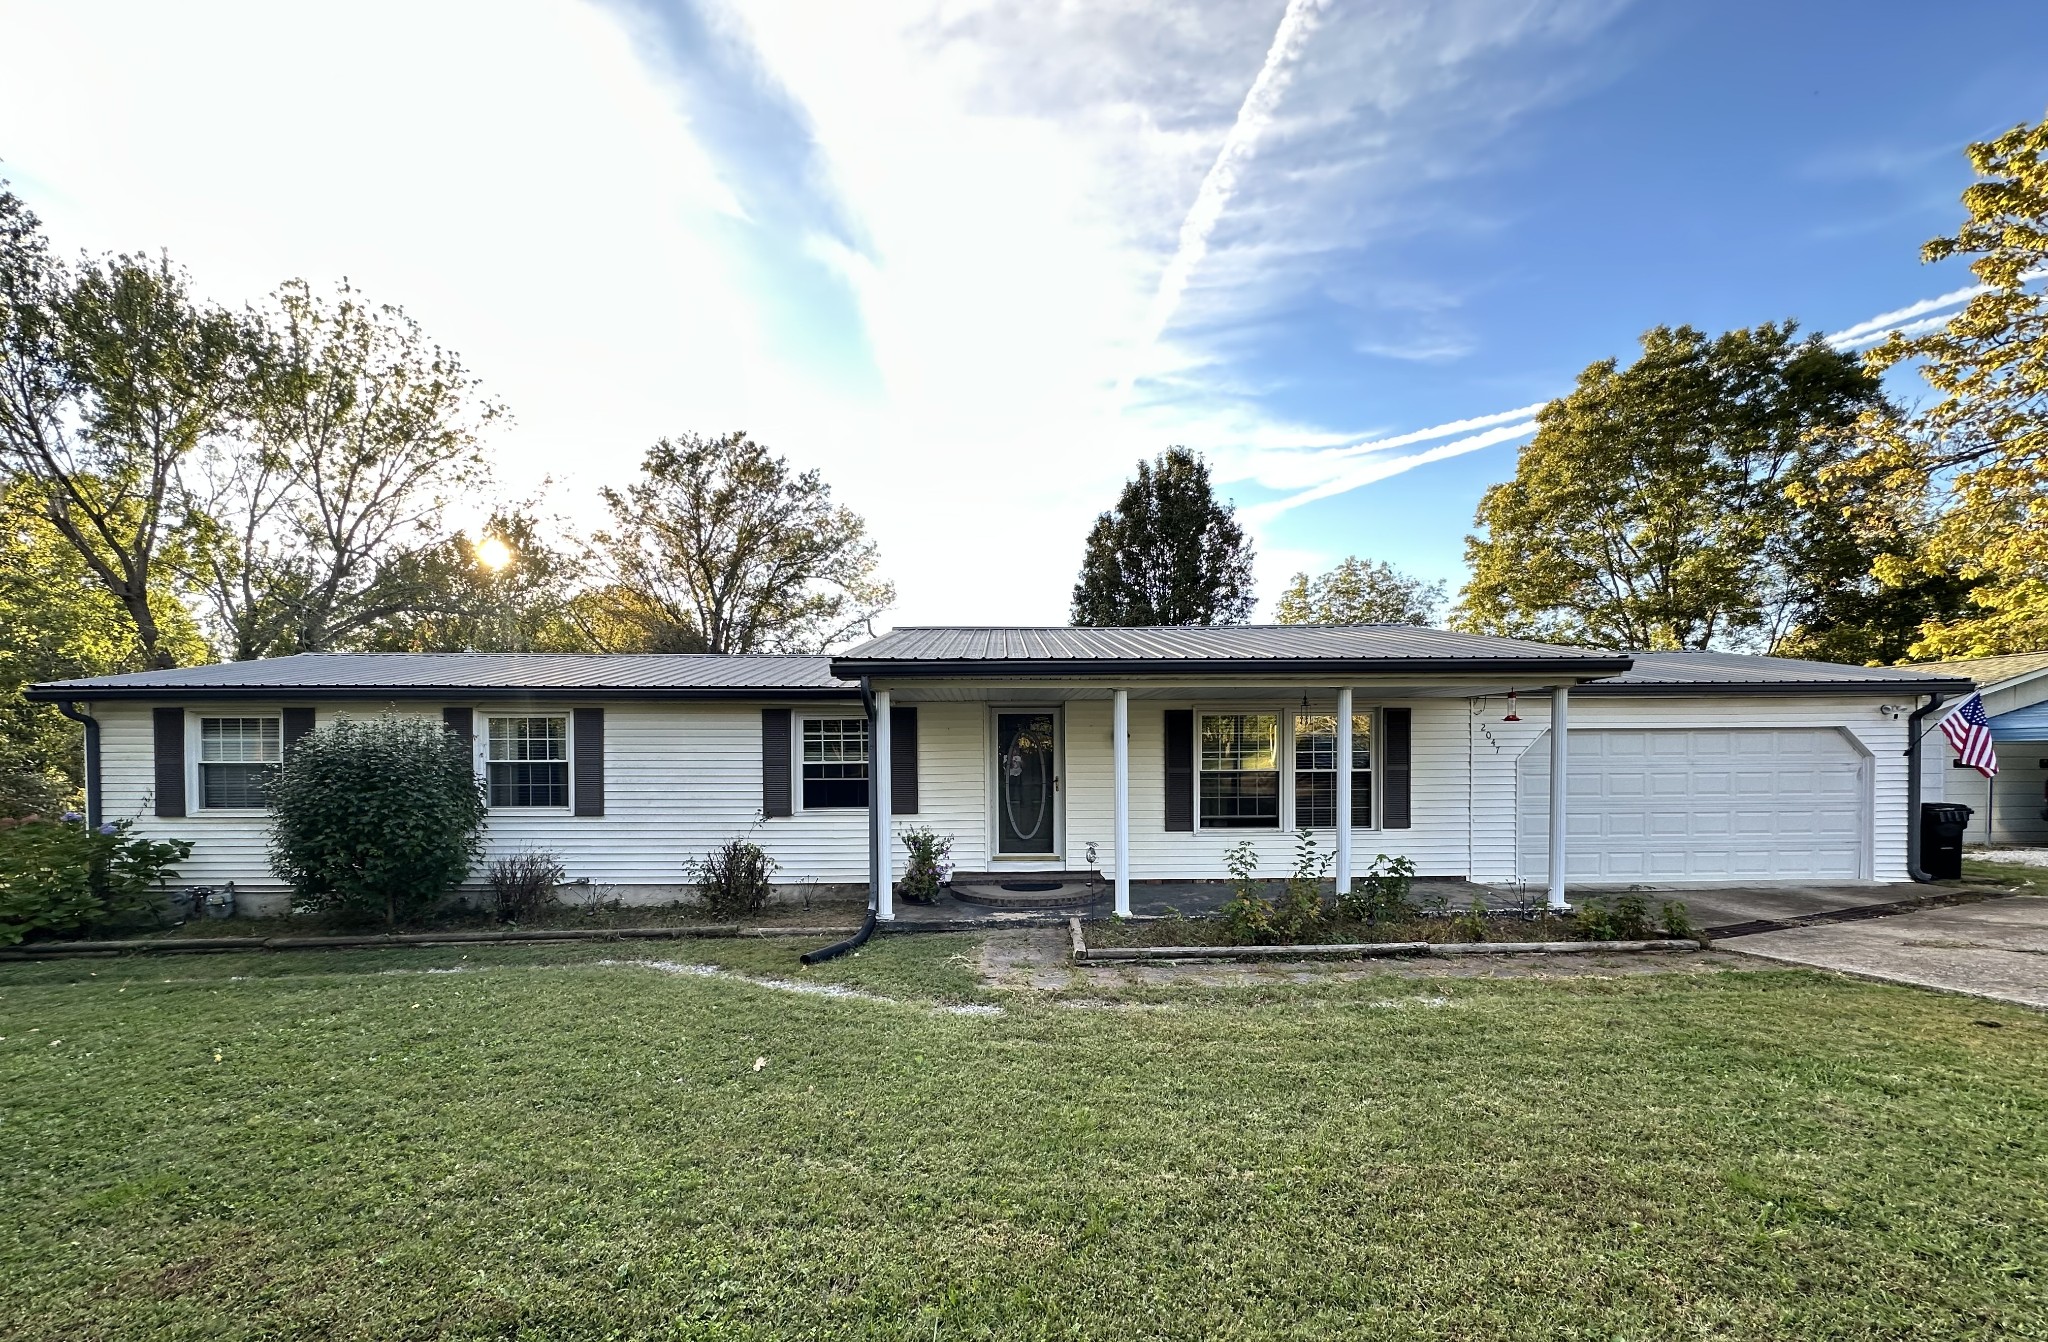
(1683, 805)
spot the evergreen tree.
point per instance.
(1169, 553)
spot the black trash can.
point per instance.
(1942, 826)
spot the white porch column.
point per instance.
(1120, 753)
(885, 830)
(1344, 791)
(1560, 727)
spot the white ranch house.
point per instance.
(1141, 754)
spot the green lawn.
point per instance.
(344, 1145)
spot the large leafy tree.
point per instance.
(1980, 451)
(57, 621)
(720, 547)
(112, 377)
(1170, 552)
(509, 588)
(324, 519)
(1658, 504)
(1360, 591)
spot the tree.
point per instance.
(412, 828)
(325, 520)
(1981, 451)
(1360, 591)
(1168, 553)
(718, 547)
(57, 622)
(507, 589)
(1657, 507)
(111, 377)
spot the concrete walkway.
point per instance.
(1996, 949)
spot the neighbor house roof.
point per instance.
(1691, 672)
(428, 675)
(1157, 650)
(1991, 672)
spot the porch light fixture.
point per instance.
(1512, 716)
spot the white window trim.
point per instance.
(796, 761)
(480, 749)
(1287, 714)
(195, 778)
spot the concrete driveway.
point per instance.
(1997, 948)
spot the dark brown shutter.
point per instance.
(1180, 768)
(170, 761)
(586, 747)
(461, 721)
(774, 762)
(902, 761)
(1394, 807)
(297, 722)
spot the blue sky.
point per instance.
(971, 260)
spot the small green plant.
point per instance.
(1247, 915)
(734, 879)
(523, 883)
(928, 868)
(1301, 910)
(1595, 923)
(1382, 893)
(62, 875)
(1632, 917)
(1676, 920)
(1470, 925)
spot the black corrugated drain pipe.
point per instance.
(875, 850)
(1913, 867)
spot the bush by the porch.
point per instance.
(63, 876)
(376, 820)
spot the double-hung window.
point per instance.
(1315, 771)
(527, 762)
(835, 762)
(1240, 771)
(238, 758)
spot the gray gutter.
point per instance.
(1031, 668)
(1918, 685)
(91, 724)
(59, 691)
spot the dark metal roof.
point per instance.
(1725, 672)
(426, 675)
(1225, 649)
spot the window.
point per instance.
(237, 759)
(1240, 769)
(835, 762)
(528, 763)
(1315, 771)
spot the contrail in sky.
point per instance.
(1261, 104)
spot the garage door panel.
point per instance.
(1700, 804)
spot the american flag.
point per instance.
(1969, 731)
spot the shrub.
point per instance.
(1247, 915)
(523, 883)
(1471, 924)
(1595, 922)
(376, 820)
(1632, 917)
(927, 869)
(734, 879)
(1382, 892)
(1677, 920)
(60, 875)
(1302, 911)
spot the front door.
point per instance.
(1027, 784)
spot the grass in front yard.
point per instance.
(358, 1145)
